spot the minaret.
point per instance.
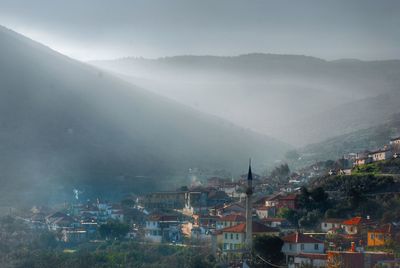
(249, 209)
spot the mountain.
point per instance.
(299, 99)
(65, 124)
(357, 141)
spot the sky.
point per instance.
(105, 29)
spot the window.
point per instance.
(231, 236)
(237, 236)
(302, 246)
(380, 236)
(290, 246)
(325, 224)
(226, 236)
(225, 246)
(372, 236)
(316, 246)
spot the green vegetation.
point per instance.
(391, 166)
(362, 194)
(113, 229)
(21, 247)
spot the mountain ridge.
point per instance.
(66, 124)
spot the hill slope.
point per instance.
(299, 99)
(65, 124)
(356, 141)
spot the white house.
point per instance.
(298, 243)
(395, 141)
(381, 155)
(329, 224)
(163, 228)
(233, 238)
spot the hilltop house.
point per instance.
(395, 141)
(381, 155)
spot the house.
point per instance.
(235, 208)
(71, 235)
(172, 200)
(276, 222)
(207, 221)
(297, 243)
(288, 201)
(265, 212)
(273, 200)
(59, 220)
(362, 158)
(115, 212)
(230, 220)
(355, 225)
(329, 224)
(380, 155)
(282, 201)
(233, 238)
(217, 197)
(317, 260)
(162, 228)
(395, 141)
(379, 236)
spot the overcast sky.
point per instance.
(101, 29)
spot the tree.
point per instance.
(113, 229)
(281, 172)
(291, 215)
(270, 248)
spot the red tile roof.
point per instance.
(300, 238)
(256, 228)
(353, 221)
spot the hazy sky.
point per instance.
(99, 29)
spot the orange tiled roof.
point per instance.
(353, 221)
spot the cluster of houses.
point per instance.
(392, 150)
(218, 215)
(196, 217)
(76, 222)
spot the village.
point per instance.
(220, 213)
